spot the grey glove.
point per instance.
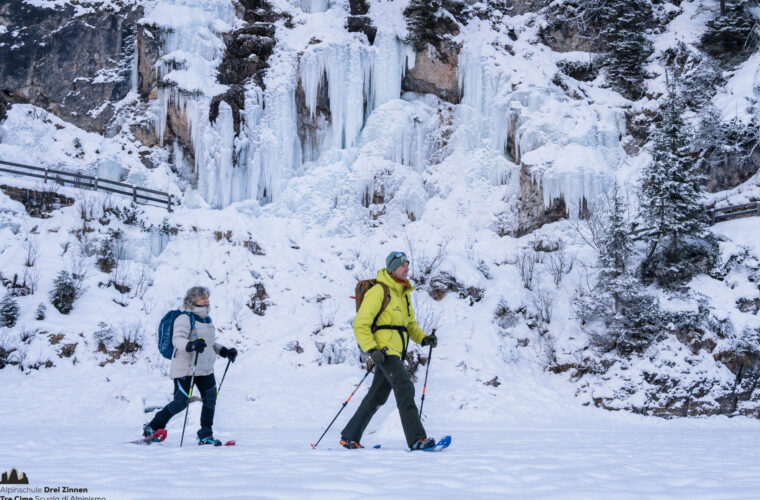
(430, 340)
(377, 356)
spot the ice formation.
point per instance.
(314, 5)
(359, 78)
(399, 131)
(268, 151)
(571, 149)
(483, 115)
(192, 48)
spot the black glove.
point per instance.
(430, 340)
(377, 356)
(230, 353)
(196, 345)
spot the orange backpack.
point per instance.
(362, 287)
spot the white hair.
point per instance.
(193, 295)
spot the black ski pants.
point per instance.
(206, 385)
(403, 390)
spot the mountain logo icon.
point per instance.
(12, 477)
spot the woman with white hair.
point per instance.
(190, 341)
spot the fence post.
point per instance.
(134, 193)
(45, 178)
(757, 208)
(95, 183)
(169, 202)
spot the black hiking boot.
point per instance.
(423, 444)
(209, 441)
(351, 445)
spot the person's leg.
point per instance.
(376, 396)
(403, 390)
(207, 389)
(178, 404)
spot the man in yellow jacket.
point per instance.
(385, 338)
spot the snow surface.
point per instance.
(534, 442)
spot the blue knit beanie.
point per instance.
(394, 260)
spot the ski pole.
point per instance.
(424, 387)
(189, 393)
(382, 368)
(224, 375)
(345, 403)
(385, 374)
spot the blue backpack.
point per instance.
(166, 330)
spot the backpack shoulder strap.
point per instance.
(192, 320)
(384, 304)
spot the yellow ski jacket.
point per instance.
(398, 313)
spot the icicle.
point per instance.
(215, 179)
(483, 109)
(358, 78)
(388, 68)
(570, 150)
(134, 69)
(397, 131)
(312, 72)
(279, 154)
(191, 50)
(312, 6)
(160, 109)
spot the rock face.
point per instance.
(564, 38)
(74, 67)
(679, 395)
(565, 30)
(358, 7)
(4, 105)
(309, 127)
(148, 51)
(248, 50)
(745, 364)
(361, 24)
(531, 213)
(728, 174)
(37, 203)
(520, 7)
(435, 72)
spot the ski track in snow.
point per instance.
(618, 461)
(533, 442)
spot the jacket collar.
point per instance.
(201, 312)
(385, 277)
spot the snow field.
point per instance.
(533, 445)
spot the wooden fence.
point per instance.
(77, 180)
(734, 212)
(716, 215)
(141, 194)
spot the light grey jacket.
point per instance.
(182, 361)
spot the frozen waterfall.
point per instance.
(572, 149)
(359, 78)
(191, 50)
(314, 5)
